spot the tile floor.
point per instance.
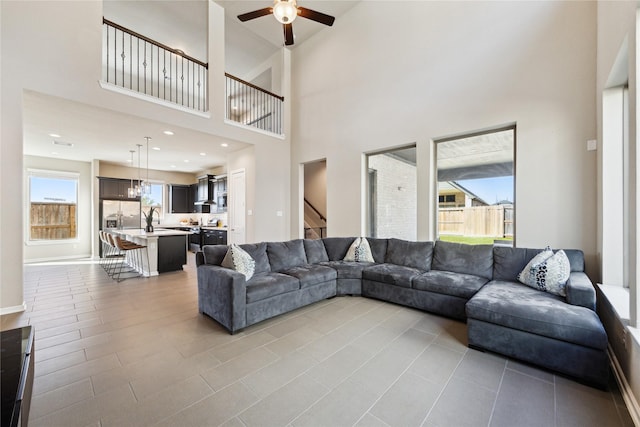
(138, 353)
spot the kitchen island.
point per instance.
(167, 249)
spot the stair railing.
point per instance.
(138, 63)
(253, 106)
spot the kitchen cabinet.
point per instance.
(205, 189)
(220, 194)
(214, 237)
(115, 189)
(194, 198)
(180, 200)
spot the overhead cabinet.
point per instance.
(180, 200)
(205, 189)
(115, 189)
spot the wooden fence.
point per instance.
(53, 221)
(485, 221)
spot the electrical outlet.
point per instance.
(592, 145)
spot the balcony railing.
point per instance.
(138, 63)
(253, 106)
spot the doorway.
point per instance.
(315, 199)
(237, 207)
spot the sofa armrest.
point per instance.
(222, 295)
(199, 258)
(580, 290)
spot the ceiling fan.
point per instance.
(286, 11)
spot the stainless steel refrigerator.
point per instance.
(119, 214)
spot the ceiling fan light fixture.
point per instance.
(285, 11)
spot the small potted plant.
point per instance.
(148, 217)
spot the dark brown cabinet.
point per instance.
(214, 237)
(115, 189)
(194, 198)
(180, 200)
(220, 194)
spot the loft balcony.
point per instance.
(147, 68)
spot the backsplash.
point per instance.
(173, 219)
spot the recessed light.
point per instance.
(168, 132)
(54, 135)
(65, 144)
(173, 166)
(224, 144)
(55, 153)
(203, 154)
(186, 161)
(156, 148)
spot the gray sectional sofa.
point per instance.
(474, 283)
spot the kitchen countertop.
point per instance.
(157, 232)
(211, 227)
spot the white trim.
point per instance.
(625, 388)
(60, 258)
(123, 91)
(14, 309)
(254, 129)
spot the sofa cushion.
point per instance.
(378, 249)
(391, 274)
(258, 252)
(239, 260)
(315, 251)
(509, 262)
(359, 251)
(337, 247)
(448, 283)
(263, 286)
(547, 272)
(283, 255)
(409, 254)
(214, 254)
(462, 258)
(348, 269)
(517, 306)
(311, 274)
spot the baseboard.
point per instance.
(625, 389)
(60, 259)
(14, 309)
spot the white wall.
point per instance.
(385, 76)
(69, 66)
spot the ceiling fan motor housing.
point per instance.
(285, 11)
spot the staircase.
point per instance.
(315, 224)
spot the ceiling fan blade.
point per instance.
(316, 16)
(255, 14)
(288, 34)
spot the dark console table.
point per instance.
(16, 372)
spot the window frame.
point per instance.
(54, 174)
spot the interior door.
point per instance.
(236, 206)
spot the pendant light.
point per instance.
(131, 191)
(139, 186)
(146, 188)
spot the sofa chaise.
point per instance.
(473, 283)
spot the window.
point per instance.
(153, 198)
(392, 195)
(476, 193)
(53, 205)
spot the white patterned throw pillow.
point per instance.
(549, 273)
(239, 260)
(359, 251)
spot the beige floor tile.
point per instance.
(436, 364)
(581, 405)
(162, 404)
(62, 377)
(484, 369)
(369, 420)
(270, 378)
(285, 404)
(234, 349)
(339, 366)
(48, 366)
(342, 406)
(229, 372)
(407, 402)
(475, 411)
(293, 341)
(46, 403)
(215, 409)
(524, 401)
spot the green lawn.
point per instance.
(472, 240)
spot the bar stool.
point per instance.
(131, 252)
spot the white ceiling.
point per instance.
(105, 135)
